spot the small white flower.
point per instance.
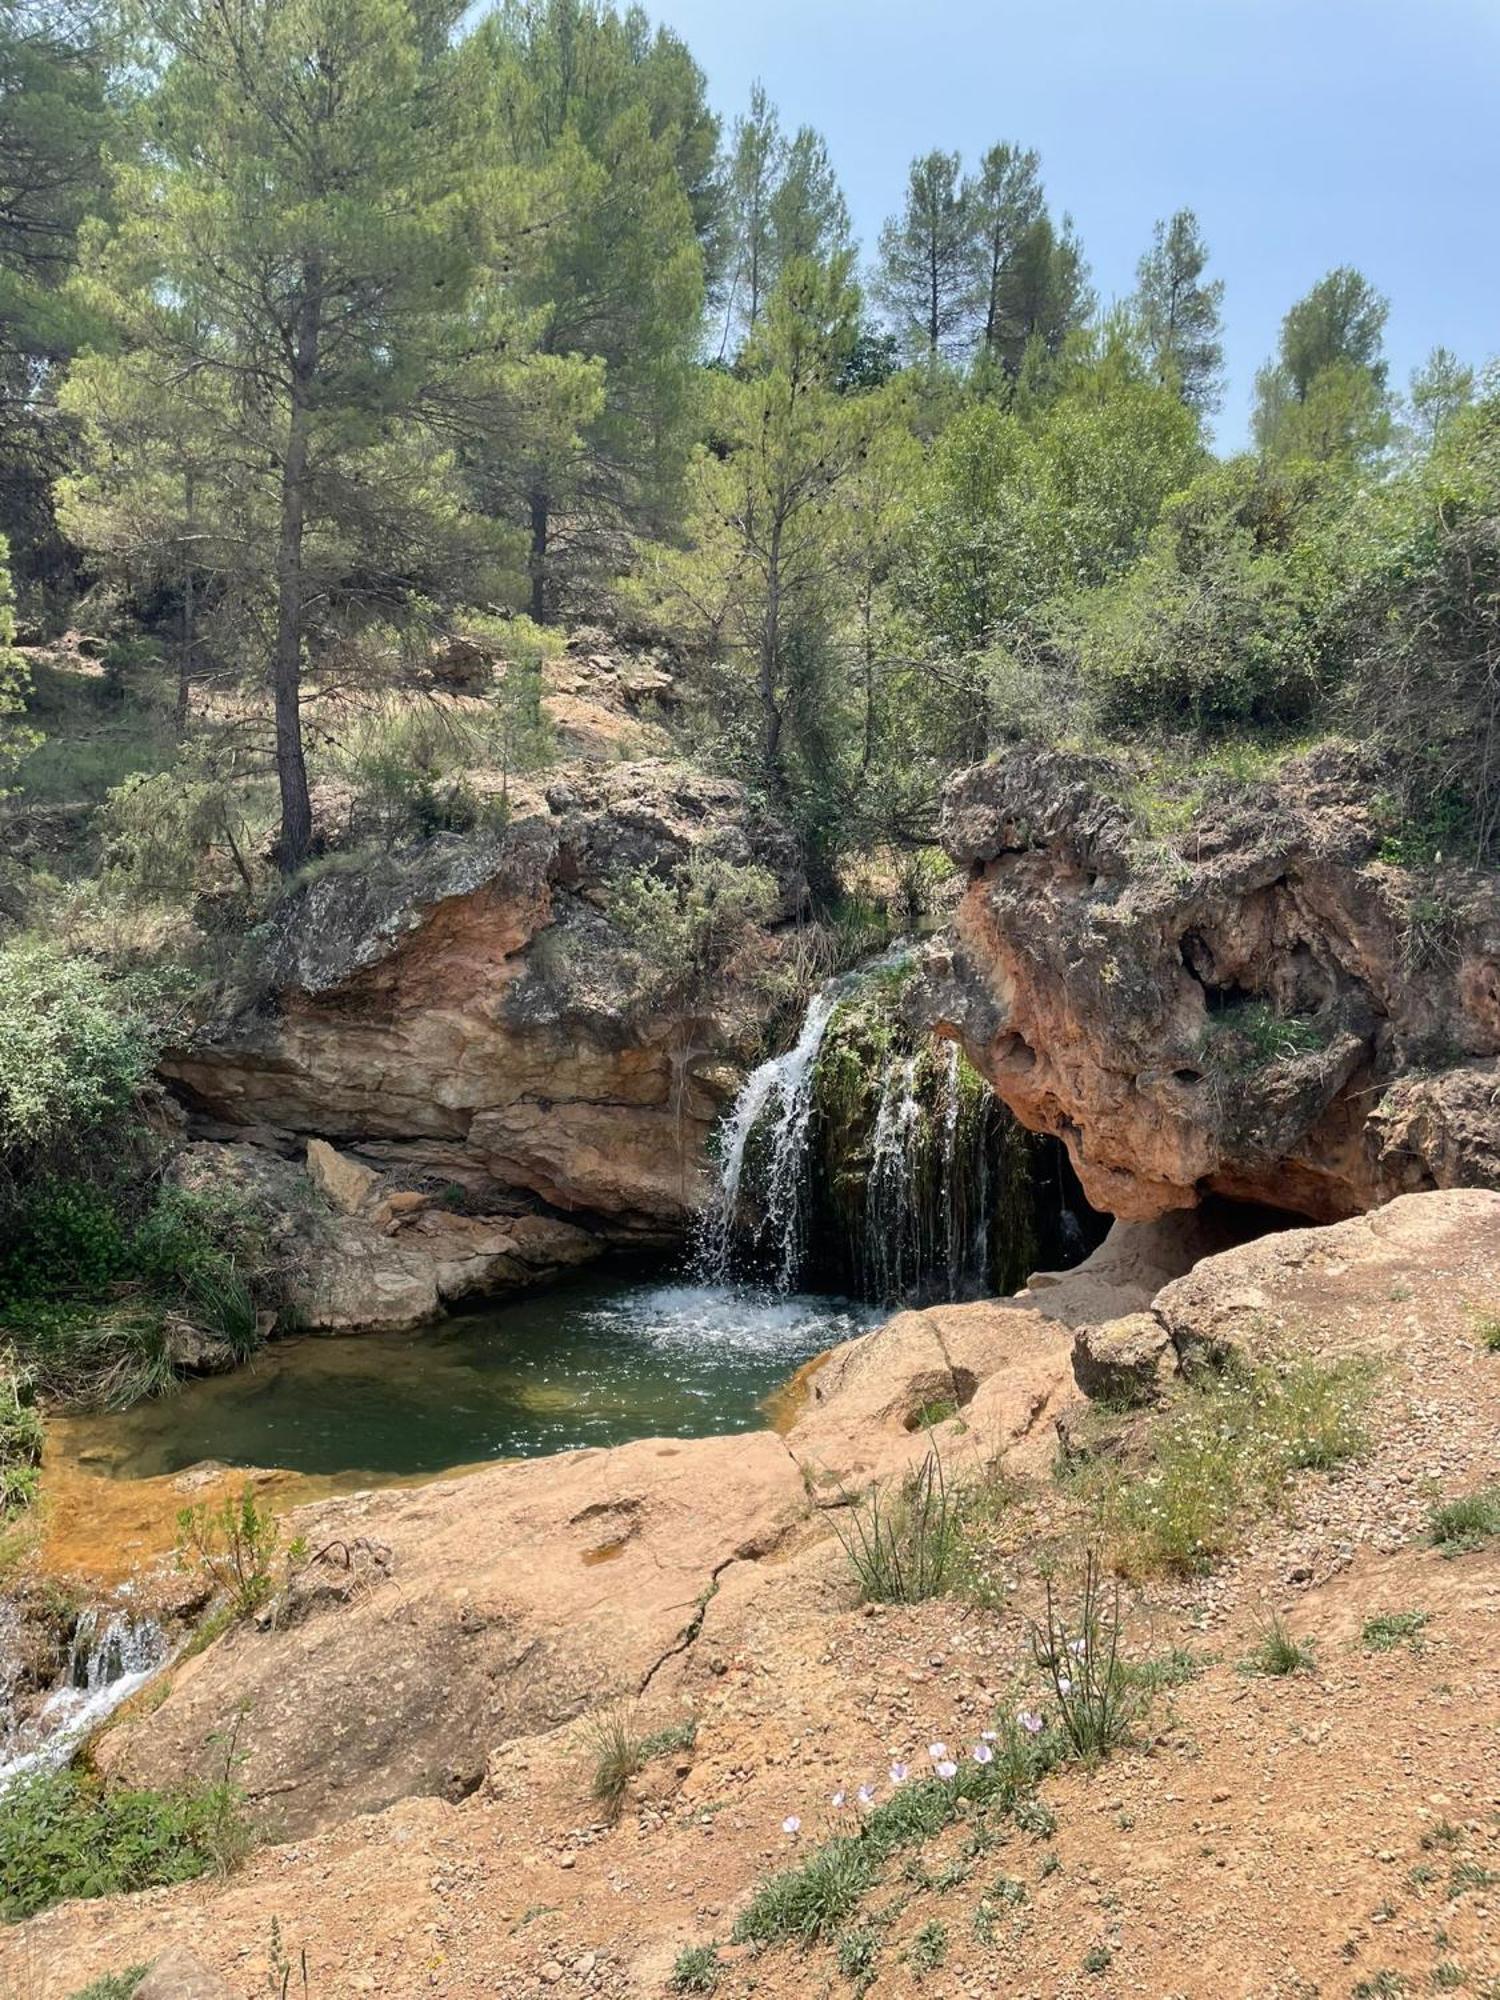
(1079, 1649)
(989, 1735)
(791, 1824)
(947, 1769)
(1065, 1687)
(937, 1752)
(838, 1799)
(866, 1795)
(898, 1774)
(982, 1754)
(1030, 1721)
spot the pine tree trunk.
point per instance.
(540, 524)
(295, 841)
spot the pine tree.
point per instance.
(1008, 203)
(1181, 317)
(54, 122)
(1042, 296)
(613, 123)
(926, 274)
(783, 202)
(1324, 397)
(296, 250)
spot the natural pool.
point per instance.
(594, 1362)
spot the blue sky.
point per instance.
(1306, 133)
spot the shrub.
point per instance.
(76, 1045)
(231, 1546)
(64, 1834)
(21, 1441)
(1227, 1444)
(688, 926)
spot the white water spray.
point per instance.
(113, 1654)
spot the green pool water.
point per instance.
(595, 1362)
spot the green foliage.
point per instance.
(1250, 1034)
(905, 1546)
(1278, 1654)
(818, 1895)
(1324, 397)
(14, 680)
(1389, 1629)
(1216, 627)
(1181, 317)
(1418, 631)
(1468, 1523)
(64, 1834)
(1226, 1446)
(75, 1047)
(696, 1969)
(114, 1985)
(689, 927)
(620, 1750)
(929, 1947)
(1098, 1701)
(231, 1546)
(21, 1441)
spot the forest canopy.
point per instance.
(335, 333)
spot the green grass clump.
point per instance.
(696, 1970)
(1225, 1448)
(620, 1751)
(63, 1834)
(857, 1950)
(21, 1441)
(906, 1545)
(813, 1899)
(114, 1985)
(1278, 1654)
(1487, 1330)
(1467, 1523)
(1389, 1629)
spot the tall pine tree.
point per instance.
(1181, 317)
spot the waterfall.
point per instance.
(780, 1089)
(870, 1159)
(112, 1655)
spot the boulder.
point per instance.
(468, 1010)
(1125, 1361)
(180, 1974)
(347, 1185)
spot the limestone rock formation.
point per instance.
(466, 1012)
(354, 1253)
(1260, 1007)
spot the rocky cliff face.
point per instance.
(467, 1013)
(1259, 1007)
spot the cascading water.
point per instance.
(776, 1096)
(869, 1159)
(113, 1654)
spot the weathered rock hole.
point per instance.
(940, 1397)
